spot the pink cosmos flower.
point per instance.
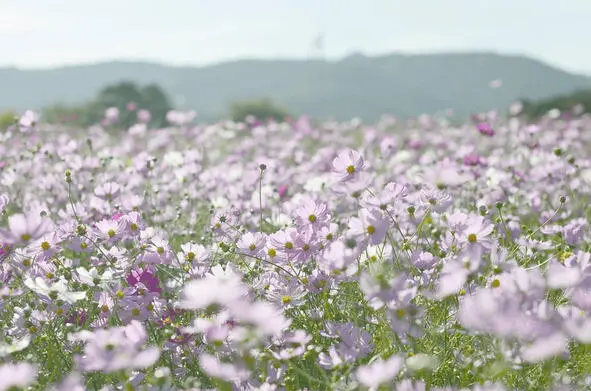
(111, 350)
(144, 116)
(25, 227)
(370, 225)
(109, 230)
(387, 145)
(252, 243)
(108, 191)
(3, 202)
(19, 375)
(312, 213)
(225, 371)
(28, 121)
(379, 371)
(347, 165)
(112, 115)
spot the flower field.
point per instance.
(403, 255)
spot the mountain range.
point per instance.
(358, 85)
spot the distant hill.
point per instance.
(405, 85)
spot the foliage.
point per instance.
(150, 97)
(564, 103)
(262, 109)
(7, 119)
(70, 115)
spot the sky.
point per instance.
(52, 33)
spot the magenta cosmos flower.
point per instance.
(486, 129)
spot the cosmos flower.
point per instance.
(347, 165)
(485, 129)
(225, 371)
(108, 191)
(252, 243)
(19, 375)
(112, 115)
(24, 228)
(205, 292)
(28, 121)
(312, 213)
(143, 116)
(371, 225)
(117, 348)
(379, 372)
(3, 202)
(59, 288)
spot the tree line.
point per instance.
(132, 101)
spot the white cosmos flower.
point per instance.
(41, 287)
(93, 278)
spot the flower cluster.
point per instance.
(409, 255)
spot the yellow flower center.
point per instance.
(45, 246)
(25, 237)
(288, 245)
(312, 218)
(286, 299)
(111, 233)
(472, 238)
(351, 169)
(371, 230)
(272, 253)
(252, 247)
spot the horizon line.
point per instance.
(318, 58)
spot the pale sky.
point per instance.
(49, 33)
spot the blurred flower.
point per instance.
(28, 121)
(379, 372)
(19, 375)
(114, 349)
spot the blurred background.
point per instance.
(73, 60)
